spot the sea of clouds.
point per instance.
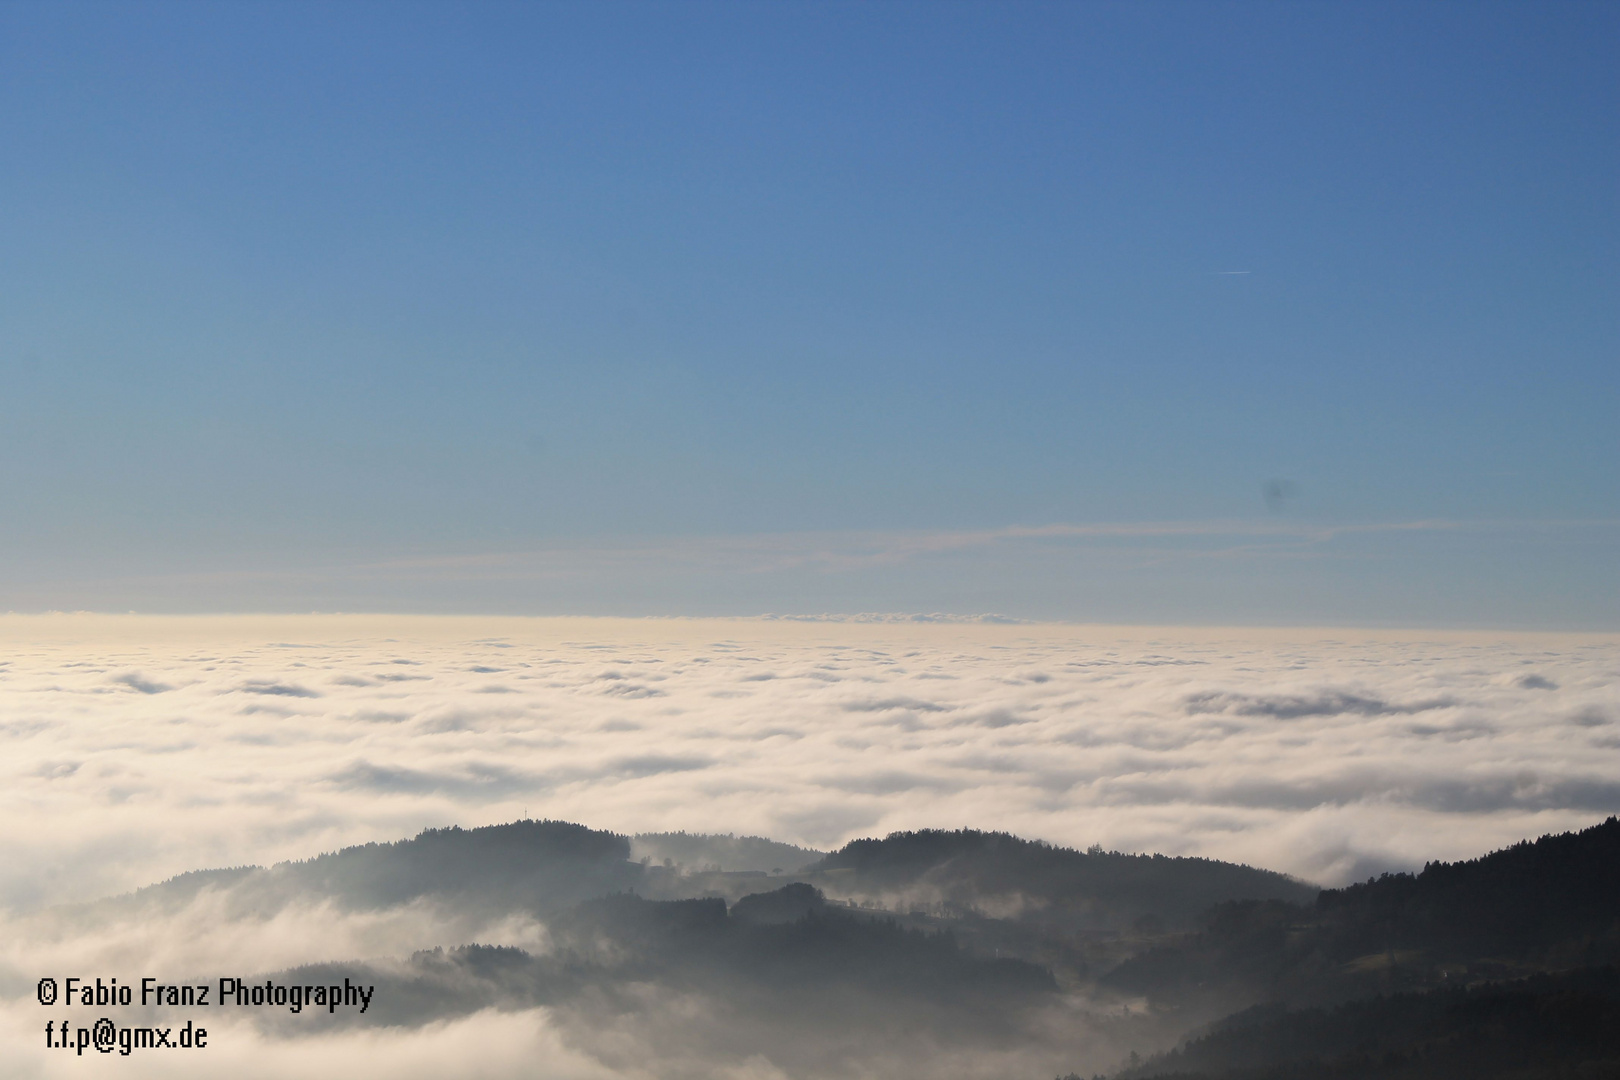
(136, 748)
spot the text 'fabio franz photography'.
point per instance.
(106, 1036)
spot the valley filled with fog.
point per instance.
(716, 907)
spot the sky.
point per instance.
(993, 403)
(1293, 314)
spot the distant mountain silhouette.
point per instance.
(828, 975)
(800, 940)
(726, 852)
(539, 867)
(529, 866)
(935, 943)
(1031, 881)
(1547, 1027)
(1554, 901)
(1549, 905)
(787, 904)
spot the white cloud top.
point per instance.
(137, 748)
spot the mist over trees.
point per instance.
(1501, 965)
(1547, 905)
(527, 866)
(1545, 1027)
(695, 851)
(819, 988)
(970, 870)
(954, 953)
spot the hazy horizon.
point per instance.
(1143, 427)
(143, 747)
(650, 725)
(1226, 314)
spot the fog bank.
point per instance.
(137, 748)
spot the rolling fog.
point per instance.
(140, 748)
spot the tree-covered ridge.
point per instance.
(520, 866)
(828, 965)
(435, 858)
(1554, 899)
(543, 866)
(722, 852)
(1551, 904)
(1546, 1027)
(1082, 889)
(792, 937)
(985, 942)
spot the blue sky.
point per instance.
(728, 308)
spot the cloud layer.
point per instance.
(138, 748)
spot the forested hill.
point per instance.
(1549, 905)
(1547, 1027)
(519, 866)
(535, 856)
(1527, 899)
(697, 851)
(1038, 881)
(783, 969)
